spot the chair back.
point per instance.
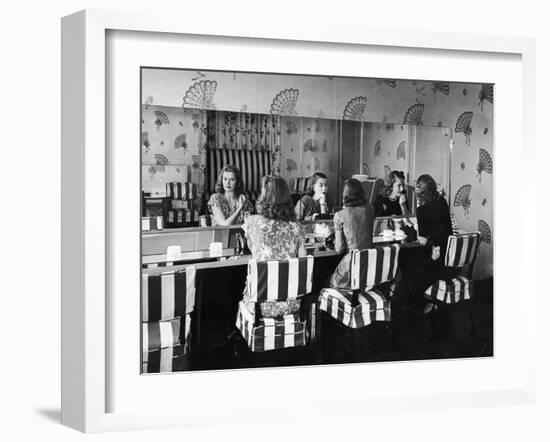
(301, 184)
(151, 223)
(370, 267)
(462, 249)
(372, 187)
(279, 280)
(253, 165)
(178, 190)
(167, 295)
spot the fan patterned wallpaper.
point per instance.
(466, 108)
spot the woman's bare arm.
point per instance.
(422, 240)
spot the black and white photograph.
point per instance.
(294, 220)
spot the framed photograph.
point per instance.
(248, 211)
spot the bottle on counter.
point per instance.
(239, 245)
(245, 249)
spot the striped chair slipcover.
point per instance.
(182, 196)
(176, 217)
(181, 190)
(301, 184)
(461, 251)
(361, 303)
(167, 300)
(272, 281)
(253, 165)
(262, 334)
(371, 306)
(152, 223)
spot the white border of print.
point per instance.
(101, 386)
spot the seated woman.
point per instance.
(424, 266)
(274, 234)
(393, 199)
(229, 204)
(353, 227)
(315, 201)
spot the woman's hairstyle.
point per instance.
(426, 189)
(239, 188)
(314, 178)
(274, 202)
(393, 176)
(353, 194)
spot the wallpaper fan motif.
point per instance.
(441, 87)
(310, 146)
(378, 148)
(291, 165)
(355, 109)
(160, 162)
(485, 94)
(291, 128)
(401, 150)
(162, 118)
(201, 95)
(485, 163)
(414, 114)
(462, 198)
(485, 231)
(463, 124)
(181, 142)
(145, 141)
(388, 82)
(317, 164)
(284, 102)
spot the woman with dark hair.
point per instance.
(229, 204)
(315, 202)
(393, 199)
(274, 233)
(353, 226)
(426, 265)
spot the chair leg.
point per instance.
(472, 319)
(431, 319)
(319, 336)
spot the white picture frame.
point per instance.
(86, 234)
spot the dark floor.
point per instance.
(407, 337)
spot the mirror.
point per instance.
(193, 150)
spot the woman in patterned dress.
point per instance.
(274, 233)
(229, 204)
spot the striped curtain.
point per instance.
(253, 165)
(252, 142)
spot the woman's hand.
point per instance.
(240, 203)
(402, 199)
